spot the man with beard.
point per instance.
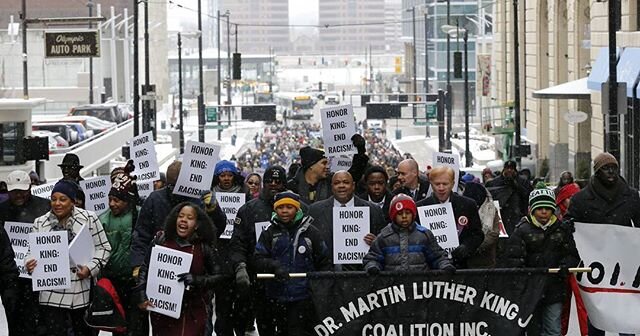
(343, 188)
(25, 208)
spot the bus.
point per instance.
(262, 94)
(299, 105)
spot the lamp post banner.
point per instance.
(433, 303)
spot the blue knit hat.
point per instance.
(67, 188)
(225, 166)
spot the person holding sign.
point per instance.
(61, 305)
(404, 245)
(465, 213)
(291, 245)
(9, 291)
(188, 229)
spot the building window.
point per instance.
(11, 143)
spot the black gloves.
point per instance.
(242, 277)
(449, 268)
(359, 142)
(280, 273)
(564, 271)
(460, 252)
(190, 279)
(373, 270)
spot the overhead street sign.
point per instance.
(84, 43)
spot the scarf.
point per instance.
(608, 194)
(551, 221)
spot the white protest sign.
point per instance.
(19, 237)
(341, 162)
(196, 173)
(230, 203)
(338, 126)
(145, 188)
(51, 252)
(350, 225)
(449, 160)
(163, 289)
(611, 292)
(439, 219)
(43, 190)
(260, 227)
(81, 248)
(96, 191)
(503, 231)
(143, 153)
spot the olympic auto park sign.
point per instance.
(82, 43)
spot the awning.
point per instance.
(628, 68)
(576, 89)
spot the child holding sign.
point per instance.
(187, 229)
(404, 245)
(291, 244)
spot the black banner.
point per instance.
(72, 44)
(481, 303)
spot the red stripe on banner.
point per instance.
(608, 290)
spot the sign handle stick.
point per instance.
(272, 276)
(572, 270)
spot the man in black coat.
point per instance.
(25, 208)
(9, 291)
(465, 213)
(375, 181)
(343, 187)
(313, 180)
(412, 183)
(512, 192)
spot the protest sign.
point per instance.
(260, 227)
(338, 126)
(230, 203)
(51, 252)
(196, 173)
(143, 153)
(43, 190)
(96, 191)
(19, 237)
(503, 231)
(145, 188)
(611, 292)
(81, 248)
(163, 289)
(439, 219)
(449, 160)
(341, 162)
(350, 225)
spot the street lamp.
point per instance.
(180, 106)
(415, 86)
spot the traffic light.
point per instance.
(457, 64)
(237, 66)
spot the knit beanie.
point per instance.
(122, 183)
(287, 197)
(274, 173)
(542, 198)
(401, 202)
(309, 156)
(602, 160)
(225, 166)
(66, 188)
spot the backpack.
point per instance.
(105, 312)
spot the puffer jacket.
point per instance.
(405, 249)
(532, 246)
(298, 248)
(118, 231)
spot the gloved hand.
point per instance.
(373, 270)
(460, 252)
(210, 202)
(359, 142)
(449, 268)
(242, 277)
(564, 271)
(190, 279)
(280, 273)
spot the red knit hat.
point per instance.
(401, 202)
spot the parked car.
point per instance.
(108, 112)
(55, 140)
(90, 123)
(332, 99)
(73, 132)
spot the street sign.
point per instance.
(84, 43)
(212, 113)
(431, 111)
(265, 112)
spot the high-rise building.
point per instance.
(352, 26)
(393, 25)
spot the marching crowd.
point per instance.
(223, 272)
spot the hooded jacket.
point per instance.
(589, 206)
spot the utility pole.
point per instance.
(180, 94)
(426, 70)
(219, 82)
(449, 99)
(468, 157)
(146, 104)
(25, 74)
(516, 81)
(90, 6)
(612, 140)
(136, 75)
(228, 67)
(201, 119)
(415, 60)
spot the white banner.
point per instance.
(19, 237)
(51, 252)
(338, 126)
(81, 248)
(260, 227)
(439, 219)
(43, 190)
(230, 203)
(350, 225)
(96, 191)
(163, 289)
(341, 162)
(143, 154)
(448, 160)
(611, 292)
(197, 169)
(145, 188)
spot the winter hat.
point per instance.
(467, 178)
(287, 197)
(602, 160)
(541, 198)
(309, 156)
(401, 202)
(225, 166)
(18, 180)
(122, 183)
(67, 188)
(274, 173)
